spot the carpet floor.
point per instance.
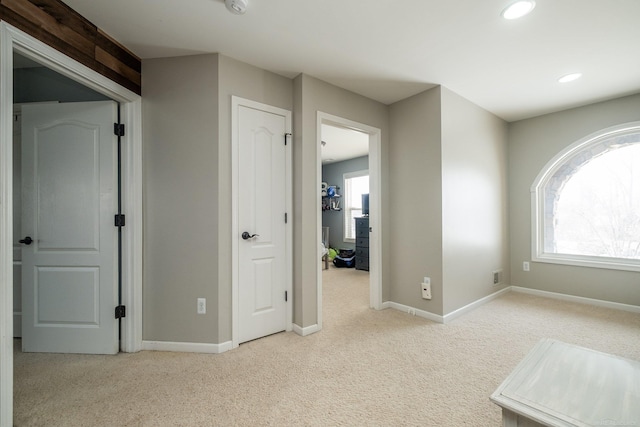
(366, 367)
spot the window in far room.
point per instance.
(587, 203)
(355, 185)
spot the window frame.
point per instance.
(539, 200)
(346, 207)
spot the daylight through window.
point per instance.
(355, 185)
(588, 203)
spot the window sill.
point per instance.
(589, 261)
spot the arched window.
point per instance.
(586, 202)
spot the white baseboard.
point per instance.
(303, 332)
(581, 300)
(226, 346)
(470, 307)
(187, 347)
(413, 311)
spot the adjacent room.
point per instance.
(234, 212)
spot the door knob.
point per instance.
(247, 236)
(27, 240)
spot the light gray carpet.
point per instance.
(365, 368)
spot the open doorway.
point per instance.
(13, 40)
(349, 209)
(65, 184)
(345, 222)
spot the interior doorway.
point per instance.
(13, 41)
(262, 259)
(74, 127)
(368, 138)
(67, 246)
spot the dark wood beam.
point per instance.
(57, 25)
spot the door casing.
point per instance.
(13, 39)
(236, 102)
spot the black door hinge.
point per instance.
(286, 296)
(286, 218)
(119, 220)
(286, 135)
(118, 129)
(120, 312)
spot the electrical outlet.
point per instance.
(426, 288)
(497, 277)
(525, 266)
(202, 306)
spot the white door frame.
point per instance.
(237, 102)
(375, 206)
(13, 39)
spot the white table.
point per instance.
(559, 384)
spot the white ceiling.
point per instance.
(340, 144)
(388, 50)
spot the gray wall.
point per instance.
(532, 143)
(415, 201)
(246, 81)
(310, 96)
(187, 187)
(448, 197)
(333, 174)
(180, 152)
(444, 191)
(475, 235)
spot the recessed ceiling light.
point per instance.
(569, 77)
(518, 9)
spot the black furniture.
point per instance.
(362, 243)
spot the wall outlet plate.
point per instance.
(202, 306)
(497, 277)
(426, 288)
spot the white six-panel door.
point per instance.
(69, 189)
(262, 204)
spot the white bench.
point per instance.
(559, 384)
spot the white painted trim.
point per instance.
(414, 311)
(12, 39)
(318, 211)
(236, 102)
(581, 300)
(187, 347)
(303, 332)
(375, 207)
(132, 239)
(6, 228)
(472, 306)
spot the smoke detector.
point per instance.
(237, 7)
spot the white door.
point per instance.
(69, 186)
(262, 193)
